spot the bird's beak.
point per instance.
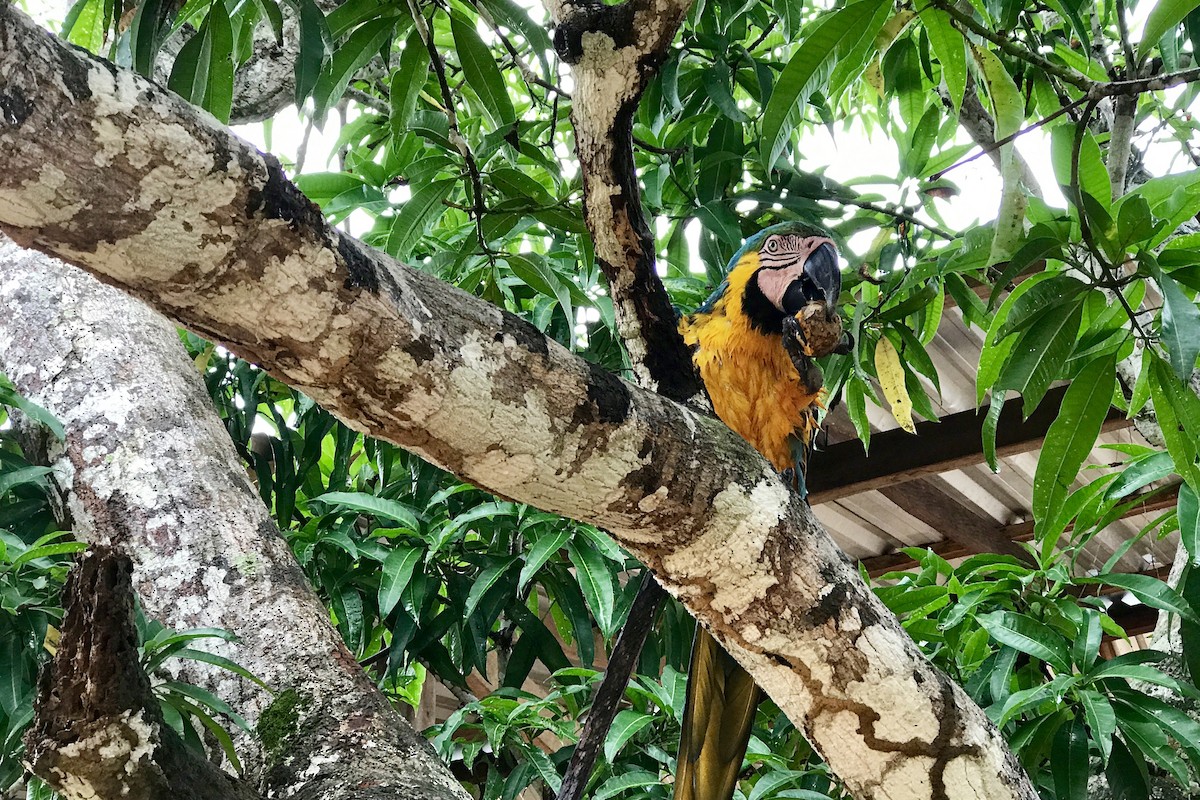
(821, 268)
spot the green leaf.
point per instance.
(634, 779)
(948, 46)
(395, 574)
(806, 72)
(1164, 17)
(1180, 327)
(375, 506)
(1046, 297)
(624, 727)
(1127, 775)
(1189, 587)
(203, 70)
(407, 81)
(540, 553)
(313, 35)
(1038, 356)
(595, 581)
(1029, 636)
(1178, 411)
(22, 476)
(362, 46)
(1138, 473)
(1093, 175)
(485, 580)
(86, 24)
(1069, 762)
(1151, 591)
(1072, 436)
(1189, 522)
(415, 217)
(481, 72)
(1101, 718)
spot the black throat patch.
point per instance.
(763, 314)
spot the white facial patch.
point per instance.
(782, 258)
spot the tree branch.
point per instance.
(141, 189)
(614, 51)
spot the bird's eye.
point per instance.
(772, 245)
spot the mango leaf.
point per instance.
(407, 82)
(624, 727)
(1164, 17)
(1093, 175)
(1101, 718)
(361, 46)
(806, 72)
(891, 380)
(1029, 636)
(1044, 298)
(314, 33)
(596, 582)
(1038, 356)
(540, 553)
(1069, 762)
(1189, 522)
(395, 574)
(1178, 411)
(481, 72)
(1180, 327)
(1072, 436)
(203, 70)
(1149, 590)
(949, 47)
(375, 506)
(415, 217)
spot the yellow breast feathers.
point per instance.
(752, 382)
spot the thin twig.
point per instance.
(1012, 48)
(1131, 63)
(369, 100)
(455, 135)
(897, 214)
(673, 152)
(763, 36)
(996, 145)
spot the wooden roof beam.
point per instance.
(843, 469)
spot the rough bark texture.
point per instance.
(614, 50)
(140, 189)
(97, 732)
(149, 470)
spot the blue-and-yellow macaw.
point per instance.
(754, 343)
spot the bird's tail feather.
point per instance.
(721, 702)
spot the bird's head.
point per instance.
(798, 266)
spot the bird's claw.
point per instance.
(794, 343)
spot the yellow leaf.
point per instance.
(51, 640)
(891, 379)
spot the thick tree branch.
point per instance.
(149, 470)
(97, 730)
(138, 188)
(614, 51)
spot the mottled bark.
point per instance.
(149, 470)
(139, 189)
(614, 51)
(97, 731)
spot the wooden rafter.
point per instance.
(843, 469)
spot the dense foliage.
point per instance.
(456, 155)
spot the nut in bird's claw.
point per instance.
(816, 329)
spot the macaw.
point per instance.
(754, 341)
